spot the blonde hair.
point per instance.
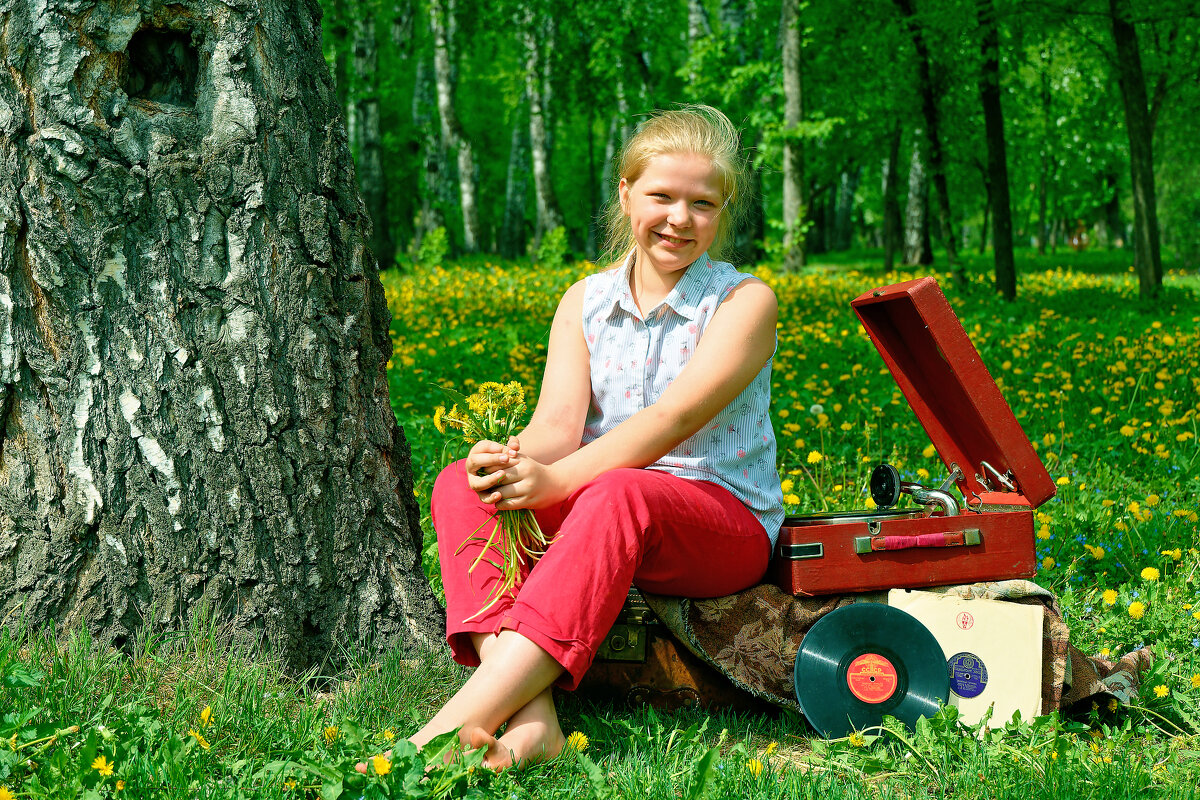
(695, 129)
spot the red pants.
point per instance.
(666, 534)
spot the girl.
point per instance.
(650, 452)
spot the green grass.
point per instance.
(1107, 387)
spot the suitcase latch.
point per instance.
(624, 643)
(799, 552)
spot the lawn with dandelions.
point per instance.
(1107, 388)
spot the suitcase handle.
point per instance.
(870, 544)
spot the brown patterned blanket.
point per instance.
(752, 638)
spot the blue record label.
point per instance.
(968, 675)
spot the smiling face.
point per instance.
(673, 208)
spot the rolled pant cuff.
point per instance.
(573, 656)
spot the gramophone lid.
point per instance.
(950, 390)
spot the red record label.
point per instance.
(871, 678)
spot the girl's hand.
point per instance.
(486, 462)
(527, 484)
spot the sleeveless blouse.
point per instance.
(635, 358)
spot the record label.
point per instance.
(968, 675)
(871, 678)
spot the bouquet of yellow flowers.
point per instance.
(494, 412)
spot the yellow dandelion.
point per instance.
(330, 733)
(1128, 430)
(929, 451)
(1044, 532)
(389, 735)
(787, 485)
(195, 734)
(1161, 690)
(856, 739)
(381, 765)
(814, 457)
(577, 741)
(5, 794)
(1109, 597)
(1153, 500)
(1137, 609)
(206, 716)
(1196, 681)
(120, 785)
(754, 767)
(1064, 481)
(1047, 563)
(1113, 705)
(772, 747)
(1150, 574)
(103, 766)
(791, 499)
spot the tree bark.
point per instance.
(993, 121)
(843, 216)
(539, 38)
(371, 180)
(441, 17)
(793, 145)
(435, 191)
(936, 159)
(193, 336)
(1147, 253)
(893, 225)
(917, 248)
(516, 189)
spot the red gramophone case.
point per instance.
(991, 463)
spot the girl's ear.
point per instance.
(623, 195)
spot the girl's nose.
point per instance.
(679, 215)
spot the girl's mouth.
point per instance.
(672, 240)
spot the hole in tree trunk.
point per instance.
(162, 67)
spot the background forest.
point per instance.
(873, 124)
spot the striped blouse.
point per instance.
(634, 360)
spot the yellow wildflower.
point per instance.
(1175, 554)
(438, 413)
(1196, 681)
(1150, 574)
(1064, 481)
(5, 794)
(791, 499)
(857, 740)
(331, 733)
(929, 451)
(1128, 430)
(1137, 609)
(1153, 500)
(754, 767)
(772, 747)
(1110, 597)
(814, 457)
(381, 765)
(1113, 705)
(195, 734)
(786, 485)
(206, 716)
(120, 785)
(103, 766)
(577, 741)
(389, 734)
(1161, 691)
(1047, 563)
(1044, 532)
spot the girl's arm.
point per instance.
(736, 344)
(557, 424)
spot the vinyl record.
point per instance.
(863, 661)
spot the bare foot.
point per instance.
(532, 735)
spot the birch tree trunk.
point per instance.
(371, 180)
(997, 157)
(512, 231)
(1147, 251)
(893, 225)
(793, 145)
(435, 190)
(539, 38)
(936, 159)
(917, 248)
(441, 16)
(193, 336)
